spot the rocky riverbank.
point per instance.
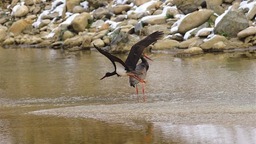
(191, 27)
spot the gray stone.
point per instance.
(231, 23)
(188, 6)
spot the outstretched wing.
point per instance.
(111, 57)
(137, 49)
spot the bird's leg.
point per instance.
(136, 77)
(143, 91)
(137, 92)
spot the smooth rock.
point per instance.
(67, 34)
(101, 13)
(3, 33)
(98, 43)
(18, 26)
(71, 4)
(247, 32)
(140, 2)
(192, 42)
(216, 42)
(215, 5)
(80, 22)
(165, 44)
(79, 40)
(118, 9)
(21, 11)
(9, 41)
(188, 6)
(78, 9)
(231, 23)
(194, 50)
(193, 20)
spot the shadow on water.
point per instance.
(48, 96)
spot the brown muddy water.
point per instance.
(54, 97)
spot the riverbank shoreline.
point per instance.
(190, 27)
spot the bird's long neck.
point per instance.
(144, 61)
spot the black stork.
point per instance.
(128, 67)
(141, 70)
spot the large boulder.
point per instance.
(80, 22)
(230, 23)
(188, 6)
(194, 20)
(20, 25)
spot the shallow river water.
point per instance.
(55, 97)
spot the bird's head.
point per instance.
(108, 74)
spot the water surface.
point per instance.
(49, 96)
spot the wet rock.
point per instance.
(21, 11)
(188, 6)
(247, 32)
(165, 44)
(193, 20)
(80, 22)
(231, 23)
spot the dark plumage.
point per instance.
(130, 67)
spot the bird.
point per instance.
(128, 68)
(141, 70)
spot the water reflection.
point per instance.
(41, 79)
(206, 133)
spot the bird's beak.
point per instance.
(103, 78)
(147, 57)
